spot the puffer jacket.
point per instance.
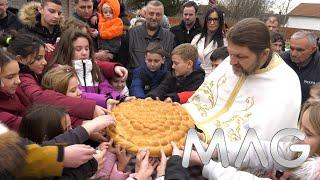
(110, 31)
(100, 92)
(31, 20)
(143, 80)
(22, 159)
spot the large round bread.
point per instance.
(149, 124)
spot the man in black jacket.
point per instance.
(8, 20)
(304, 59)
(84, 12)
(189, 26)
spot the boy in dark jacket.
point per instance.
(148, 76)
(184, 76)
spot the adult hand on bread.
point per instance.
(76, 155)
(97, 124)
(99, 111)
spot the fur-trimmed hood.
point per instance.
(28, 14)
(110, 29)
(114, 4)
(12, 150)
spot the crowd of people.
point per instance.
(61, 77)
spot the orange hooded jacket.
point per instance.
(109, 29)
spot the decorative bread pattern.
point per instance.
(149, 124)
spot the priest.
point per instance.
(252, 88)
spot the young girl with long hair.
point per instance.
(76, 50)
(29, 53)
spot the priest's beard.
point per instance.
(239, 70)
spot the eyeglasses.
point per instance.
(211, 20)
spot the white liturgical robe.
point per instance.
(268, 101)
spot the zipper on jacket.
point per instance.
(84, 74)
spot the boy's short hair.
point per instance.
(155, 48)
(44, 2)
(219, 53)
(186, 51)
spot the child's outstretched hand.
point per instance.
(104, 145)
(139, 157)
(151, 99)
(168, 100)
(176, 150)
(129, 98)
(100, 157)
(121, 71)
(111, 103)
(147, 165)
(123, 158)
(161, 168)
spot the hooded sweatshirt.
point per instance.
(110, 31)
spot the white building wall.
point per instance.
(310, 23)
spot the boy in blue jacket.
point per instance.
(148, 76)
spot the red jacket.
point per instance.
(12, 108)
(107, 68)
(78, 108)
